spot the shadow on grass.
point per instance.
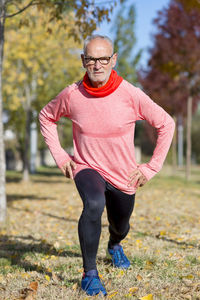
(52, 216)
(50, 181)
(183, 244)
(14, 248)
(166, 239)
(50, 172)
(14, 197)
(38, 176)
(16, 177)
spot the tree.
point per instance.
(189, 5)
(32, 75)
(173, 73)
(87, 15)
(124, 42)
(195, 136)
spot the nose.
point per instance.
(97, 64)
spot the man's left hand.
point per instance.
(136, 179)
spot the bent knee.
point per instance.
(94, 208)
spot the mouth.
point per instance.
(97, 73)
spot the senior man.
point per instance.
(103, 108)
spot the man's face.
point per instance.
(97, 72)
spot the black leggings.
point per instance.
(96, 193)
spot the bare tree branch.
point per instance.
(33, 2)
(21, 10)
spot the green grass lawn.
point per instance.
(39, 250)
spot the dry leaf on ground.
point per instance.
(30, 292)
(147, 297)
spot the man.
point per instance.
(103, 108)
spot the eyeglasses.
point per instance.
(92, 60)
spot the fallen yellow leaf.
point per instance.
(47, 277)
(112, 294)
(162, 232)
(139, 277)
(49, 270)
(80, 270)
(149, 262)
(101, 276)
(138, 243)
(189, 276)
(133, 289)
(147, 297)
(74, 287)
(121, 273)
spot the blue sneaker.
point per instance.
(119, 259)
(92, 284)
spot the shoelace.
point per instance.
(95, 281)
(120, 256)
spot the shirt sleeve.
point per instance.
(48, 117)
(157, 117)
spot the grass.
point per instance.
(39, 242)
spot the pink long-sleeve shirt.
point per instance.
(103, 131)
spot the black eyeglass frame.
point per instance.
(97, 59)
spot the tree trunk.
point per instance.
(33, 145)
(26, 159)
(26, 165)
(189, 147)
(180, 141)
(174, 156)
(2, 152)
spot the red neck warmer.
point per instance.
(112, 84)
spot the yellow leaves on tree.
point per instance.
(41, 57)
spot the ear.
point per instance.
(114, 60)
(82, 58)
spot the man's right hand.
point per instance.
(67, 169)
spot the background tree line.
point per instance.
(172, 76)
(41, 57)
(86, 15)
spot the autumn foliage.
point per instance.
(173, 71)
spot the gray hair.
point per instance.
(97, 36)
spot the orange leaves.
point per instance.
(30, 292)
(139, 277)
